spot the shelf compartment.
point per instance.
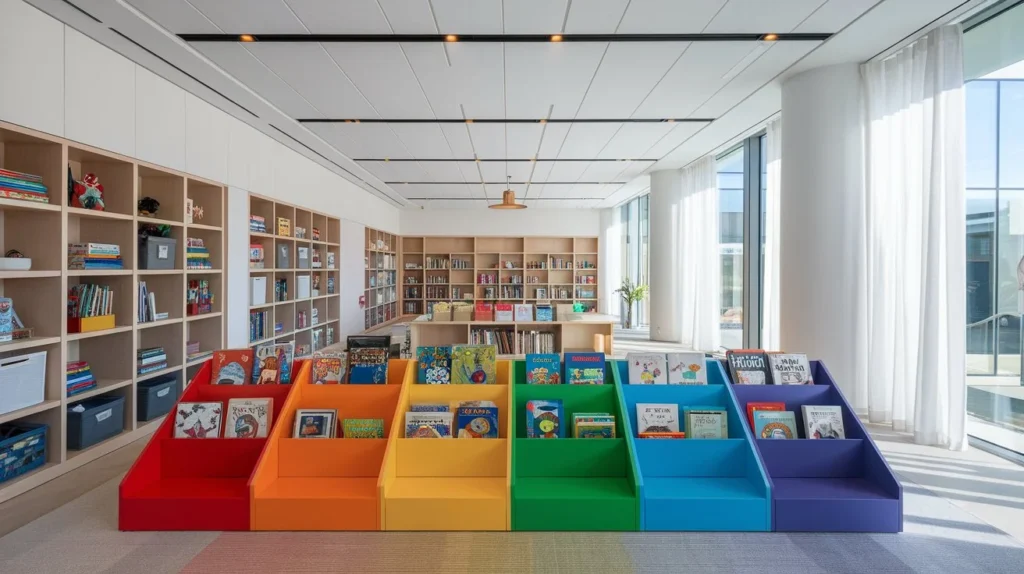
(825, 485)
(116, 175)
(330, 484)
(448, 484)
(196, 484)
(573, 484)
(697, 485)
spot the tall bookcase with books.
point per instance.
(74, 271)
(561, 270)
(381, 289)
(294, 283)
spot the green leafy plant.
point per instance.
(631, 294)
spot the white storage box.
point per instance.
(22, 381)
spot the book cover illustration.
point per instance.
(686, 369)
(774, 424)
(749, 367)
(823, 421)
(272, 362)
(544, 419)
(248, 418)
(232, 366)
(198, 420)
(477, 422)
(543, 369)
(790, 369)
(584, 368)
(657, 418)
(315, 423)
(327, 368)
(474, 365)
(503, 312)
(6, 319)
(753, 407)
(428, 425)
(362, 428)
(368, 365)
(434, 365)
(647, 368)
(593, 425)
(707, 423)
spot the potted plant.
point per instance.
(631, 294)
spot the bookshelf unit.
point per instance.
(561, 270)
(381, 284)
(42, 232)
(307, 307)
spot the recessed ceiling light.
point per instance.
(770, 37)
(556, 38)
(671, 121)
(478, 160)
(543, 121)
(451, 38)
(469, 121)
(246, 38)
(533, 159)
(387, 159)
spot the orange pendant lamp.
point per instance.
(508, 198)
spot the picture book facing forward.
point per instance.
(823, 421)
(327, 368)
(248, 418)
(434, 365)
(647, 368)
(657, 418)
(232, 366)
(584, 368)
(368, 365)
(474, 365)
(749, 367)
(272, 364)
(198, 420)
(790, 369)
(477, 422)
(775, 425)
(543, 369)
(428, 425)
(544, 419)
(687, 369)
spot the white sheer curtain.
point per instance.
(700, 261)
(914, 373)
(770, 324)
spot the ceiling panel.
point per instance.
(835, 15)
(454, 204)
(423, 141)
(594, 16)
(474, 78)
(679, 134)
(693, 79)
(628, 72)
(669, 16)
(759, 16)
(397, 170)
(604, 171)
(382, 73)
(520, 170)
(493, 171)
(354, 17)
(177, 16)
(458, 140)
(551, 142)
(523, 140)
(409, 16)
(470, 170)
(542, 170)
(488, 140)
(467, 16)
(309, 70)
(632, 170)
(435, 190)
(534, 16)
(241, 17)
(443, 171)
(632, 140)
(241, 64)
(541, 75)
(585, 141)
(375, 141)
(566, 171)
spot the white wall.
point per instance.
(352, 279)
(535, 222)
(609, 272)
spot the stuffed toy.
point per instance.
(148, 207)
(88, 193)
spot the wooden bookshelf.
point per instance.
(564, 335)
(498, 270)
(40, 295)
(381, 289)
(290, 259)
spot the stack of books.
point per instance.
(193, 353)
(257, 223)
(18, 185)
(79, 377)
(94, 256)
(150, 360)
(197, 256)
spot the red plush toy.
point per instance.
(88, 193)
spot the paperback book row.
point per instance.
(462, 419)
(194, 352)
(365, 363)
(657, 420)
(324, 423)
(150, 360)
(474, 364)
(147, 305)
(246, 418)
(757, 367)
(24, 186)
(268, 364)
(546, 419)
(101, 256)
(88, 300)
(771, 420)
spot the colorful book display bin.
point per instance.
(825, 485)
(566, 483)
(710, 484)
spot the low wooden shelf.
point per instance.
(569, 335)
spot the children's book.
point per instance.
(657, 418)
(434, 365)
(6, 319)
(428, 425)
(774, 424)
(272, 361)
(503, 312)
(362, 428)
(687, 369)
(523, 312)
(248, 418)
(647, 368)
(315, 423)
(543, 369)
(429, 408)
(544, 419)
(198, 420)
(749, 367)
(790, 369)
(327, 368)
(232, 366)
(706, 423)
(474, 365)
(368, 365)
(477, 422)
(593, 425)
(752, 407)
(823, 421)
(584, 368)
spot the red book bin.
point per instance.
(197, 484)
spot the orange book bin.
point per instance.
(327, 484)
(448, 484)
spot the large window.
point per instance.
(636, 252)
(730, 245)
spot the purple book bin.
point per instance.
(825, 485)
